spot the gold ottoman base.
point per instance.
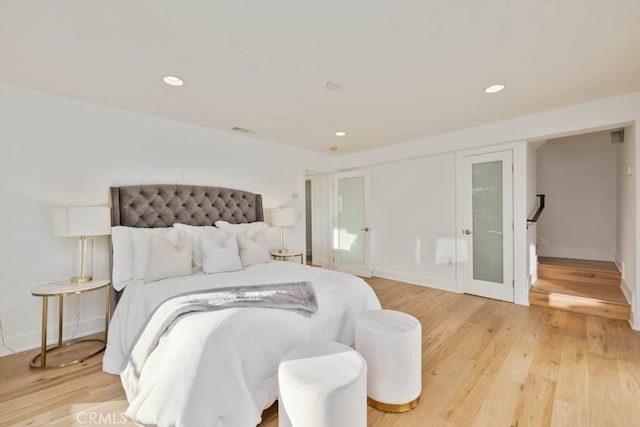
(392, 407)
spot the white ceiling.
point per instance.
(410, 68)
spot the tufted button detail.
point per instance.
(162, 205)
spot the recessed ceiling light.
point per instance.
(173, 81)
(493, 88)
(340, 133)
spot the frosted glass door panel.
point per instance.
(486, 191)
(350, 233)
(486, 183)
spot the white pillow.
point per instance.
(198, 233)
(166, 259)
(253, 251)
(123, 255)
(250, 230)
(141, 238)
(220, 255)
(252, 241)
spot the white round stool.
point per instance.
(391, 343)
(322, 384)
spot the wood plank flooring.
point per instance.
(611, 294)
(580, 270)
(485, 363)
(581, 286)
(583, 264)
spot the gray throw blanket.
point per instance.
(298, 297)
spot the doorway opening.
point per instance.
(583, 238)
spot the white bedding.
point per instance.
(219, 368)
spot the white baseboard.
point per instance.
(416, 280)
(626, 290)
(31, 340)
(634, 321)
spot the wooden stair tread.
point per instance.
(580, 264)
(600, 293)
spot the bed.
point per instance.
(217, 368)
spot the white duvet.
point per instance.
(219, 368)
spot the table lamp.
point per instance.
(83, 222)
(283, 217)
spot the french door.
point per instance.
(351, 229)
(487, 229)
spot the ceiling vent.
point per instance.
(617, 136)
(243, 130)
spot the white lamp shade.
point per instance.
(81, 221)
(283, 217)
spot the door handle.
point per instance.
(367, 229)
(467, 232)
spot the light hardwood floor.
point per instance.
(485, 363)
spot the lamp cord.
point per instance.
(77, 325)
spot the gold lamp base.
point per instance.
(84, 277)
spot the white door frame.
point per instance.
(520, 243)
(504, 291)
(364, 270)
(322, 218)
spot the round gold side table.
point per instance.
(60, 289)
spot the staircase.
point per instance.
(581, 286)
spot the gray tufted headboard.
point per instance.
(152, 206)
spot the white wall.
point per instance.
(578, 175)
(626, 255)
(58, 152)
(413, 220)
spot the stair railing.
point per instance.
(536, 215)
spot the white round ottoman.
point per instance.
(322, 384)
(391, 343)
